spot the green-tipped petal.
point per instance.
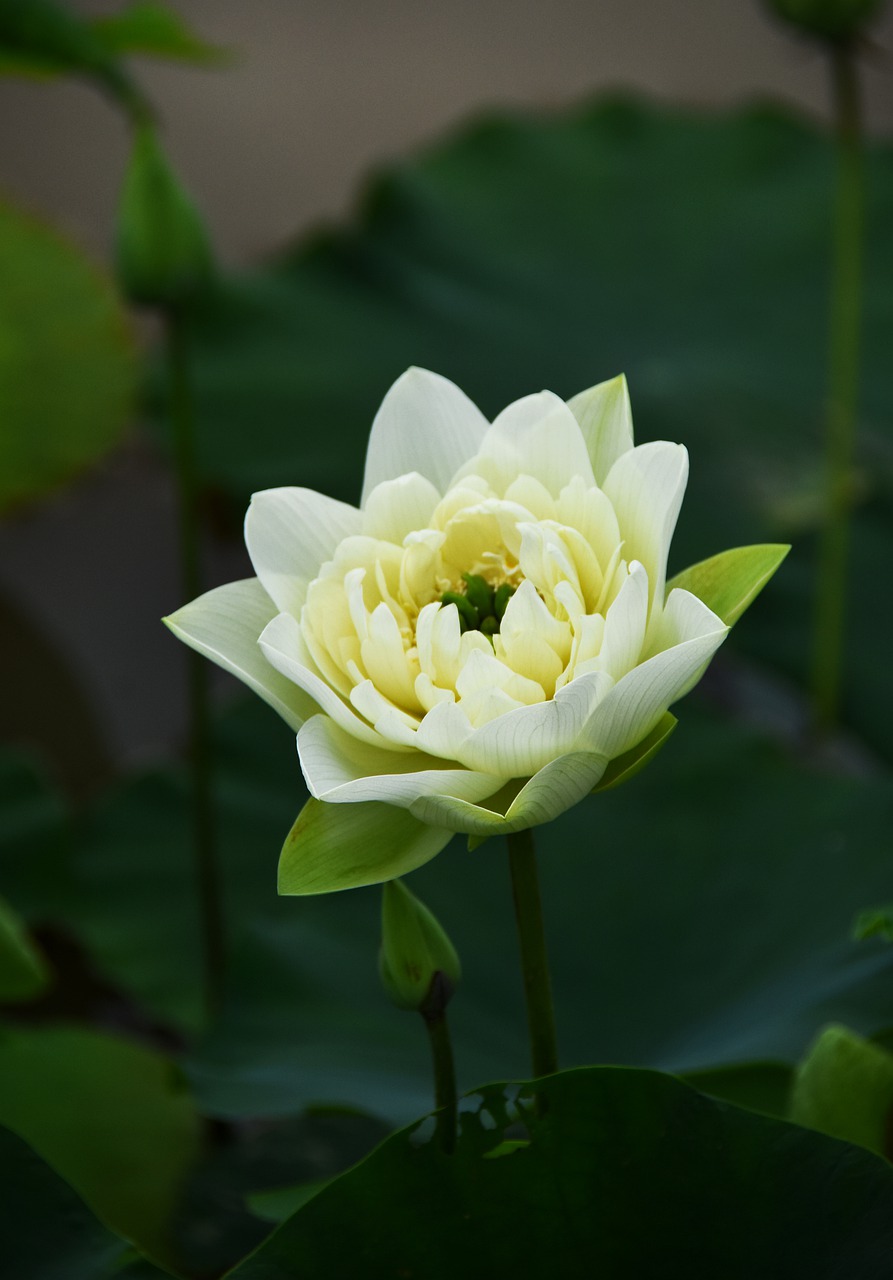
(729, 582)
(606, 421)
(345, 846)
(225, 625)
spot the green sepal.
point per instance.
(414, 950)
(844, 1087)
(163, 254)
(344, 846)
(729, 582)
(624, 767)
(24, 972)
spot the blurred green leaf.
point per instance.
(23, 970)
(844, 1087)
(48, 1232)
(688, 250)
(41, 38)
(113, 1118)
(669, 948)
(626, 1173)
(67, 369)
(877, 923)
(154, 29)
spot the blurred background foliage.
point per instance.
(700, 920)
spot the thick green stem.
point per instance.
(842, 390)
(444, 1079)
(207, 872)
(534, 959)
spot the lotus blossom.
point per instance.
(483, 641)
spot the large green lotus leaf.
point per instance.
(689, 250)
(113, 1118)
(699, 915)
(67, 364)
(48, 1232)
(625, 1173)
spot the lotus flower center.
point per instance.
(481, 605)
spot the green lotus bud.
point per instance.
(418, 964)
(163, 254)
(834, 20)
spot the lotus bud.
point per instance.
(164, 257)
(418, 964)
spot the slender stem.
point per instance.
(207, 872)
(444, 1080)
(534, 959)
(843, 387)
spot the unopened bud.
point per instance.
(163, 254)
(418, 964)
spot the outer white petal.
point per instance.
(636, 703)
(606, 421)
(284, 648)
(425, 424)
(398, 507)
(224, 625)
(339, 769)
(537, 436)
(684, 617)
(518, 744)
(559, 785)
(646, 486)
(290, 533)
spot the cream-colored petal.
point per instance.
(225, 626)
(625, 624)
(521, 742)
(282, 644)
(399, 507)
(636, 703)
(290, 533)
(606, 421)
(425, 424)
(341, 770)
(537, 436)
(646, 486)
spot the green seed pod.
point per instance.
(418, 965)
(163, 254)
(834, 20)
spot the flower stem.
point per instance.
(843, 387)
(444, 1072)
(207, 871)
(534, 960)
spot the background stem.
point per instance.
(843, 387)
(207, 872)
(534, 959)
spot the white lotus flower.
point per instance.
(471, 648)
